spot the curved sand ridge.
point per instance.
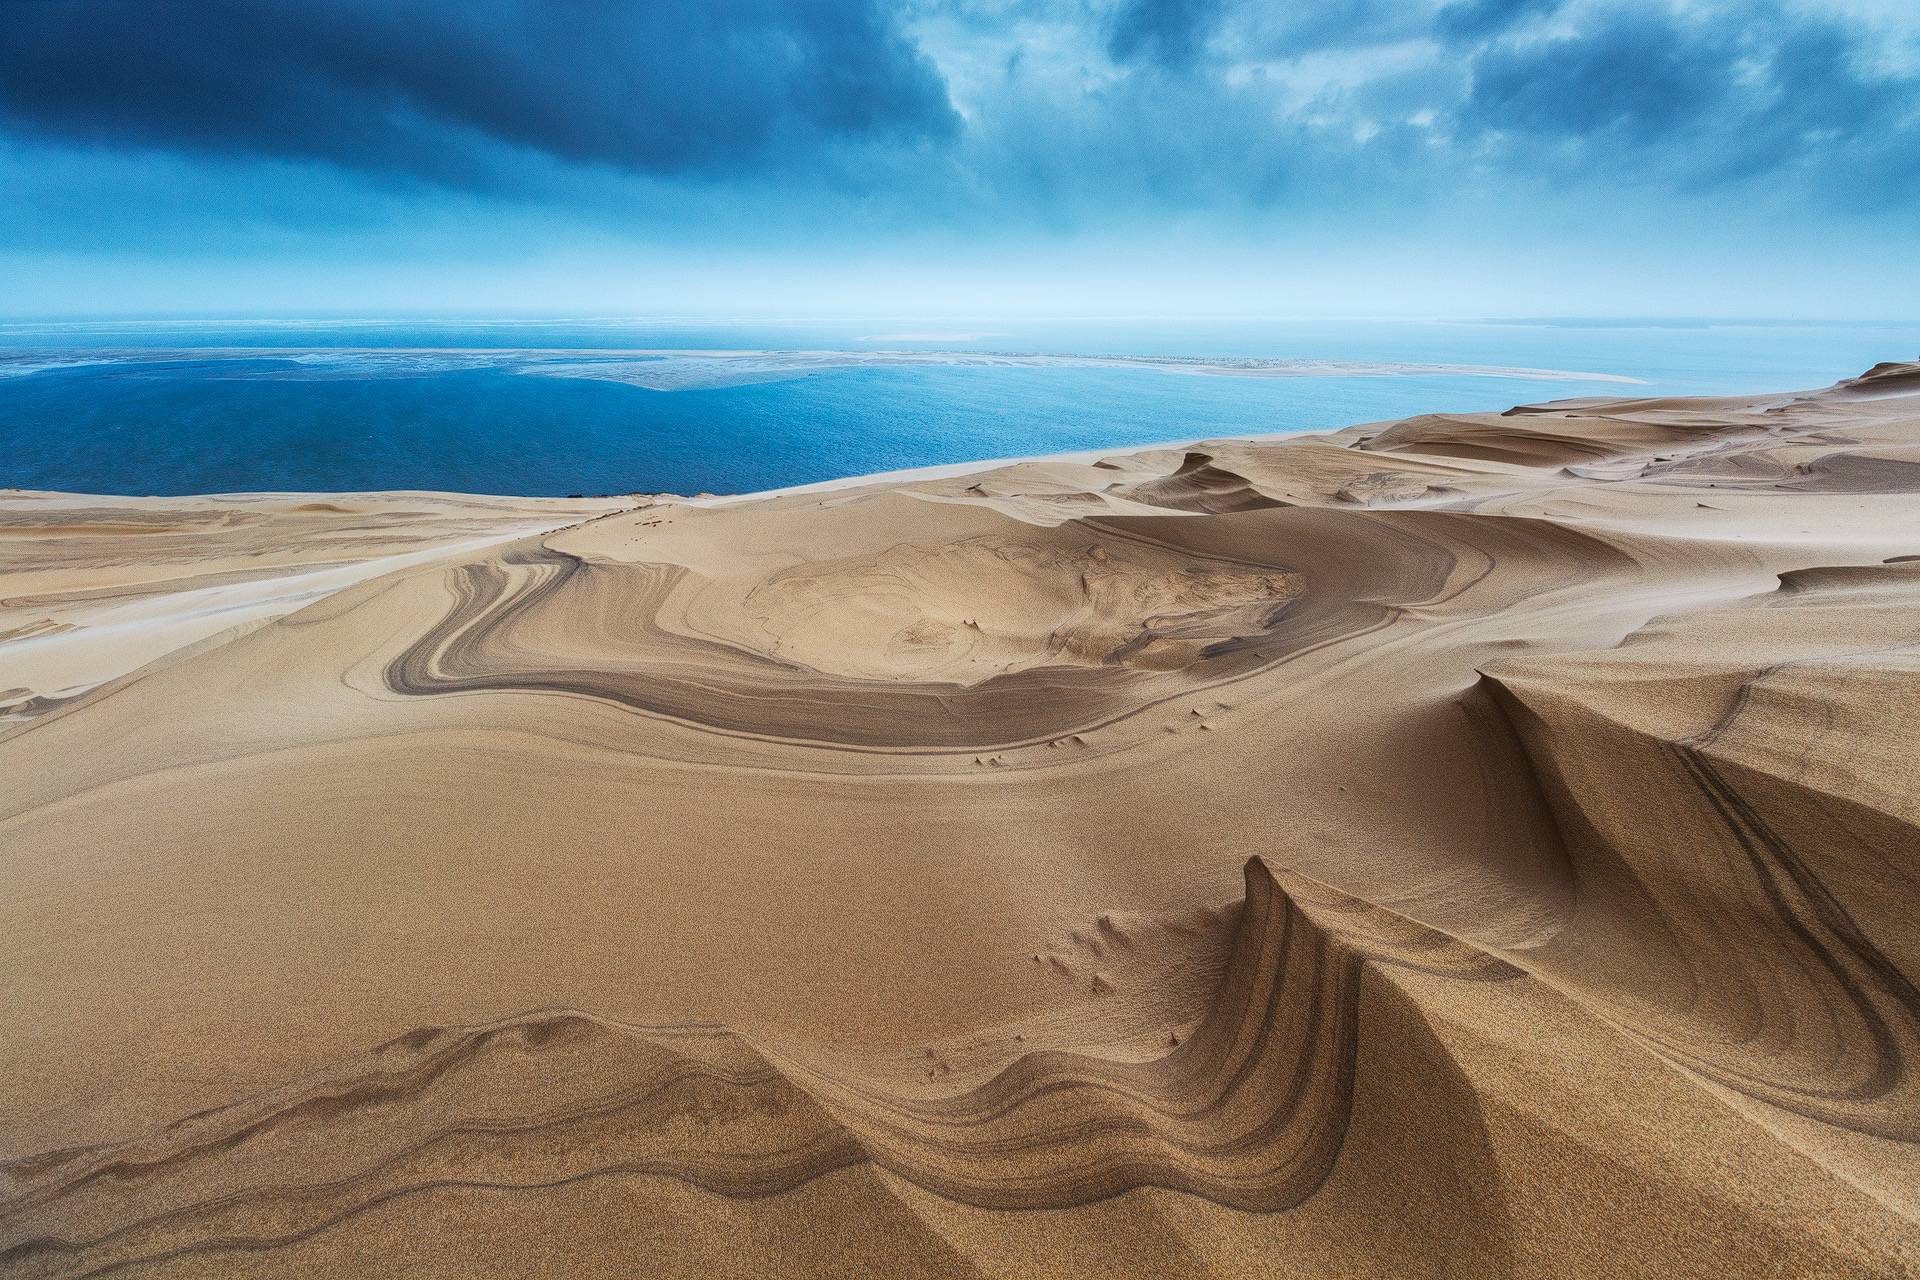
(1249, 1112)
(1780, 965)
(858, 848)
(1056, 634)
(1013, 636)
(97, 587)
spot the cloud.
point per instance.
(1694, 100)
(813, 122)
(1170, 33)
(1638, 74)
(1470, 20)
(663, 87)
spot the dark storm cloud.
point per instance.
(665, 86)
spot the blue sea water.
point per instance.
(196, 408)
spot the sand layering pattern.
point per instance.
(861, 854)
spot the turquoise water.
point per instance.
(207, 408)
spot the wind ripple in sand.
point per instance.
(1768, 917)
(1074, 627)
(1248, 1112)
(542, 619)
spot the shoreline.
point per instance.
(899, 475)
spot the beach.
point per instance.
(1473, 844)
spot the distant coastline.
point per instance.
(691, 368)
(675, 370)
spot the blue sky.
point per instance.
(962, 157)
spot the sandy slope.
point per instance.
(1476, 845)
(93, 588)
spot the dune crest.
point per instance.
(860, 854)
(1249, 1112)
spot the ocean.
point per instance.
(553, 408)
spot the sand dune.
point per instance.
(124, 581)
(1475, 845)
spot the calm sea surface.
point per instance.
(168, 409)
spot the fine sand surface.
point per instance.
(1477, 845)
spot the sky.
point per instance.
(934, 158)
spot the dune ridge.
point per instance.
(1249, 1112)
(832, 881)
